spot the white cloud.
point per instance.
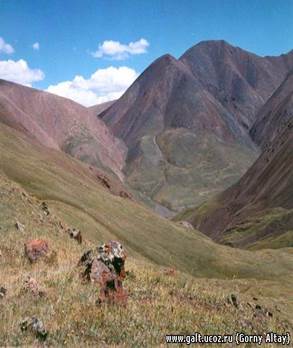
(118, 51)
(20, 72)
(5, 47)
(36, 46)
(103, 85)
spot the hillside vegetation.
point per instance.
(160, 300)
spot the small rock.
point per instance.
(104, 180)
(169, 271)
(3, 292)
(36, 326)
(232, 299)
(45, 208)
(258, 307)
(186, 224)
(75, 234)
(24, 324)
(31, 285)
(19, 226)
(125, 194)
(39, 328)
(35, 249)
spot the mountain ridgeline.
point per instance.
(62, 124)
(257, 212)
(186, 122)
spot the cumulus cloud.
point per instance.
(36, 46)
(118, 51)
(20, 72)
(103, 85)
(5, 47)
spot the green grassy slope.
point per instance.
(71, 192)
(258, 210)
(180, 169)
(160, 301)
(268, 229)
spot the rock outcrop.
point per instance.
(35, 249)
(106, 267)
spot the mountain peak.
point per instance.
(166, 59)
(214, 43)
(212, 47)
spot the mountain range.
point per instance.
(187, 121)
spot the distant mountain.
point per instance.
(186, 122)
(240, 80)
(277, 111)
(61, 124)
(97, 109)
(258, 210)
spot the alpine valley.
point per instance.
(190, 170)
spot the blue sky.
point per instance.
(67, 33)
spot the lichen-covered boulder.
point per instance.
(113, 255)
(107, 268)
(36, 248)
